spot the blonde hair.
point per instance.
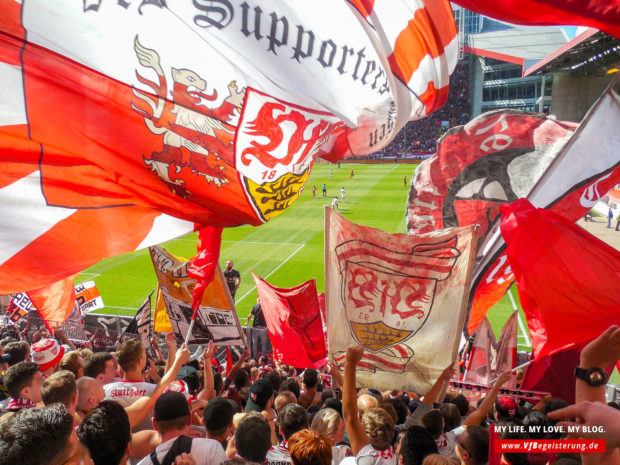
(237, 417)
(326, 421)
(379, 427)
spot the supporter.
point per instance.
(283, 399)
(18, 350)
(433, 422)
(252, 438)
(505, 408)
(105, 431)
(60, 388)
(171, 419)
(41, 436)
(131, 357)
(275, 379)
(416, 444)
(370, 438)
(400, 407)
(218, 417)
(292, 385)
(310, 448)
(47, 353)
(309, 395)
(451, 416)
(261, 396)
(72, 361)
(365, 402)
(473, 446)
(329, 423)
(291, 419)
(23, 381)
(436, 459)
(462, 404)
(90, 394)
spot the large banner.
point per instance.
(294, 322)
(402, 297)
(177, 112)
(504, 155)
(217, 318)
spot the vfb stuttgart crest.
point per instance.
(388, 295)
(274, 149)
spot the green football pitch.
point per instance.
(288, 250)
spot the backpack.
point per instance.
(182, 444)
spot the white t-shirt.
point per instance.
(204, 452)
(126, 393)
(278, 455)
(339, 453)
(370, 456)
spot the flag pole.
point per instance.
(523, 365)
(191, 327)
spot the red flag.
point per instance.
(54, 302)
(229, 362)
(600, 15)
(483, 353)
(567, 278)
(293, 322)
(507, 349)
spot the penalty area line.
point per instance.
(301, 246)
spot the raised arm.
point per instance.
(236, 367)
(476, 417)
(138, 411)
(357, 435)
(208, 392)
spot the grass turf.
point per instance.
(286, 251)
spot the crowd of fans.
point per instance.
(79, 407)
(420, 137)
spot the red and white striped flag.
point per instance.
(124, 124)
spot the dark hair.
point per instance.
(451, 416)
(478, 443)
(535, 418)
(292, 418)
(95, 364)
(417, 444)
(163, 426)
(461, 403)
(554, 404)
(19, 376)
(253, 437)
(433, 422)
(513, 457)
(310, 378)
(36, 436)
(106, 433)
(400, 407)
(291, 385)
(241, 379)
(19, 350)
(129, 353)
(217, 383)
(326, 394)
(275, 379)
(310, 448)
(59, 387)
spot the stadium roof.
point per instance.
(590, 53)
(516, 44)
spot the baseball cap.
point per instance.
(260, 393)
(47, 353)
(218, 414)
(170, 406)
(189, 374)
(506, 406)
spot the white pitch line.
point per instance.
(524, 331)
(272, 272)
(124, 308)
(244, 242)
